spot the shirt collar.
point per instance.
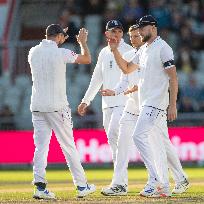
(49, 42)
(155, 40)
(137, 48)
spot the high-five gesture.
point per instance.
(85, 57)
(82, 36)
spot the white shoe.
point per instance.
(150, 188)
(115, 190)
(155, 189)
(43, 194)
(181, 187)
(84, 191)
(161, 192)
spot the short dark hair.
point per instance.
(54, 29)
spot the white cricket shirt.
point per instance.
(48, 68)
(153, 86)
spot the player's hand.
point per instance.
(172, 113)
(82, 108)
(82, 36)
(107, 92)
(113, 43)
(133, 89)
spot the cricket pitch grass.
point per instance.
(15, 187)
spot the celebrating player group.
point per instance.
(139, 89)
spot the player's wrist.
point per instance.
(173, 104)
(83, 43)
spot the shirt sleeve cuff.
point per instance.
(85, 101)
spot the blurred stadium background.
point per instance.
(22, 25)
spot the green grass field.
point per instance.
(15, 187)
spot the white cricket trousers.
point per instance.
(147, 137)
(111, 118)
(174, 163)
(61, 123)
(127, 125)
(125, 141)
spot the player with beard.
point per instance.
(128, 84)
(155, 60)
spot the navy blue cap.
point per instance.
(114, 24)
(55, 29)
(135, 26)
(147, 20)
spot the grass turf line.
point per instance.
(15, 187)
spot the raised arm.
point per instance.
(84, 57)
(126, 67)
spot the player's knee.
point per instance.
(112, 134)
(137, 138)
(112, 139)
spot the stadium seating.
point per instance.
(15, 88)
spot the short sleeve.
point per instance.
(68, 55)
(129, 55)
(167, 57)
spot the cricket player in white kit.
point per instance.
(127, 124)
(50, 108)
(157, 74)
(107, 74)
